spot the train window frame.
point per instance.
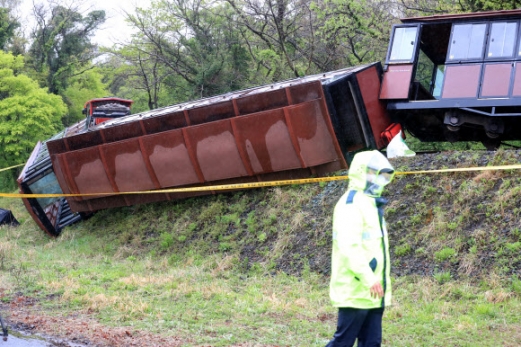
(421, 74)
(515, 42)
(452, 41)
(517, 47)
(401, 59)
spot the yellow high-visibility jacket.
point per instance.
(360, 253)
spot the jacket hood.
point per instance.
(370, 172)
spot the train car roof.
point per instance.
(324, 78)
(464, 16)
(110, 98)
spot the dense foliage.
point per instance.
(28, 113)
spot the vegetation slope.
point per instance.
(251, 268)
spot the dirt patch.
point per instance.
(26, 317)
(80, 330)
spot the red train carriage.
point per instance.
(456, 77)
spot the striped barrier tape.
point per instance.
(256, 184)
(11, 167)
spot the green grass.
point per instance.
(452, 314)
(242, 268)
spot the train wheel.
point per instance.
(491, 144)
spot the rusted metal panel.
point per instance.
(256, 135)
(396, 82)
(209, 152)
(126, 166)
(496, 80)
(57, 146)
(169, 158)
(210, 113)
(216, 151)
(262, 102)
(309, 125)
(174, 120)
(122, 132)
(85, 172)
(461, 81)
(305, 92)
(369, 84)
(264, 136)
(79, 141)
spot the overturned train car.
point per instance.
(450, 77)
(293, 129)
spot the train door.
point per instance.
(400, 62)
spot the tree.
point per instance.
(8, 26)
(61, 45)
(280, 35)
(28, 113)
(191, 40)
(82, 88)
(355, 31)
(432, 7)
(142, 72)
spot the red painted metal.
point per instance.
(461, 81)
(369, 84)
(396, 82)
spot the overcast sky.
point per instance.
(114, 29)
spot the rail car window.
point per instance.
(48, 184)
(439, 75)
(424, 71)
(404, 40)
(502, 40)
(467, 41)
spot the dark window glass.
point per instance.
(424, 71)
(467, 41)
(403, 44)
(502, 40)
(48, 184)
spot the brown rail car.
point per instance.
(450, 77)
(299, 128)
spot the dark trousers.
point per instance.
(354, 323)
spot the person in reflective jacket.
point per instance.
(360, 267)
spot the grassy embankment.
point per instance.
(209, 270)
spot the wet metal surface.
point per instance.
(247, 138)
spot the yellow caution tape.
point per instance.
(256, 184)
(189, 189)
(11, 167)
(482, 168)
